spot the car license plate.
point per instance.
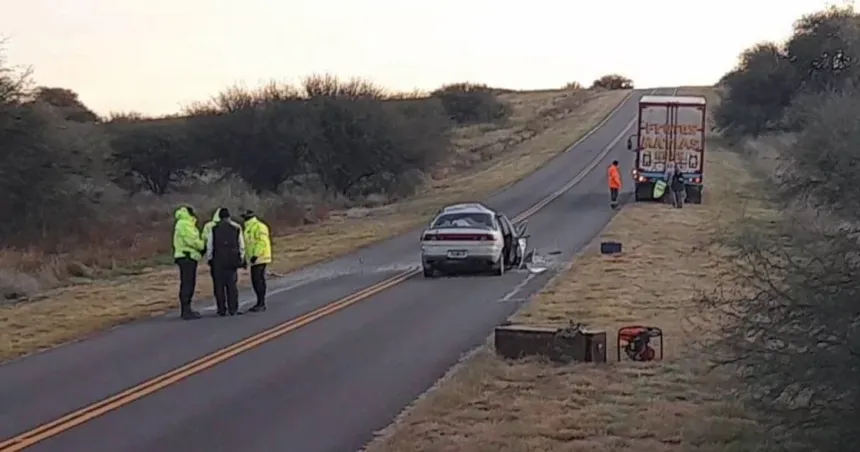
(456, 254)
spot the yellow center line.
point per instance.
(81, 416)
(78, 417)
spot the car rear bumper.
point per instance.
(437, 255)
(467, 264)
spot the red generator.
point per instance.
(637, 343)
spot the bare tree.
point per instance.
(15, 83)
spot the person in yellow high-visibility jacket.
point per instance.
(187, 252)
(258, 253)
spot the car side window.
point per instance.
(505, 226)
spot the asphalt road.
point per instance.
(324, 387)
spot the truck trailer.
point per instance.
(671, 134)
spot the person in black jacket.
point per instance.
(678, 187)
(225, 249)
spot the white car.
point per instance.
(471, 236)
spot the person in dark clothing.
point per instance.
(678, 186)
(225, 248)
(204, 234)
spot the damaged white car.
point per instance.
(472, 236)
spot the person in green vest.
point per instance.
(187, 252)
(659, 189)
(661, 185)
(258, 254)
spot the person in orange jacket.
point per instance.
(614, 184)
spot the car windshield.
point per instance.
(464, 220)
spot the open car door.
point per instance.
(520, 244)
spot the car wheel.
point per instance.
(499, 267)
(429, 272)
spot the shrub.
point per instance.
(612, 82)
(791, 331)
(330, 86)
(825, 157)
(124, 116)
(468, 103)
(67, 103)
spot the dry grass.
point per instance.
(494, 405)
(542, 125)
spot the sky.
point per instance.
(156, 56)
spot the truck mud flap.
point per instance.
(694, 194)
(643, 192)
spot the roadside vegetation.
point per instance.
(795, 321)
(332, 165)
(756, 288)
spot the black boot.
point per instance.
(259, 307)
(189, 314)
